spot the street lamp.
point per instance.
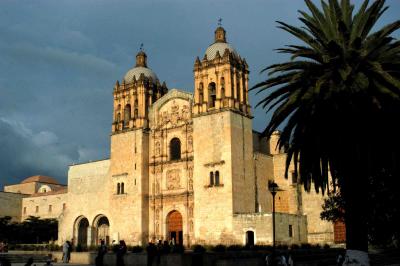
(273, 188)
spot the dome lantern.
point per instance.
(220, 35)
(141, 59)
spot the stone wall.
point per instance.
(25, 188)
(86, 198)
(44, 206)
(261, 225)
(11, 205)
(213, 205)
(319, 231)
(129, 164)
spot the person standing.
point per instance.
(102, 250)
(66, 250)
(151, 253)
(121, 250)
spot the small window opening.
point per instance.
(217, 178)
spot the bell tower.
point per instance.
(139, 89)
(223, 175)
(221, 78)
(129, 156)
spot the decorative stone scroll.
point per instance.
(173, 179)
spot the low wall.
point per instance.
(228, 258)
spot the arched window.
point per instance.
(118, 118)
(238, 87)
(201, 93)
(136, 111)
(222, 82)
(127, 114)
(122, 188)
(118, 188)
(212, 93)
(217, 178)
(175, 149)
(211, 179)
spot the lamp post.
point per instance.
(273, 188)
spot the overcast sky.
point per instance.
(59, 61)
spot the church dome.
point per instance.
(220, 47)
(41, 179)
(140, 68)
(137, 71)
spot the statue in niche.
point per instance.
(191, 226)
(158, 148)
(185, 112)
(173, 179)
(157, 188)
(190, 144)
(190, 184)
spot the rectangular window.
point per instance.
(290, 230)
(50, 208)
(294, 178)
(24, 210)
(37, 209)
(64, 206)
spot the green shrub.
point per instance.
(219, 248)
(294, 246)
(136, 249)
(81, 248)
(326, 246)
(306, 246)
(199, 249)
(236, 247)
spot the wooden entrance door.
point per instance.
(174, 225)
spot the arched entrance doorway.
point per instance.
(82, 231)
(174, 227)
(249, 238)
(102, 229)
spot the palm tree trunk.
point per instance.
(354, 189)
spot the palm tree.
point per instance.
(337, 101)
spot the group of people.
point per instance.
(279, 260)
(155, 251)
(119, 250)
(3, 246)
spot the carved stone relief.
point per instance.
(173, 179)
(174, 115)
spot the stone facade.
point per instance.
(184, 166)
(11, 205)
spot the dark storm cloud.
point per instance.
(59, 61)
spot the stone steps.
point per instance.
(23, 258)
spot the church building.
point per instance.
(183, 166)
